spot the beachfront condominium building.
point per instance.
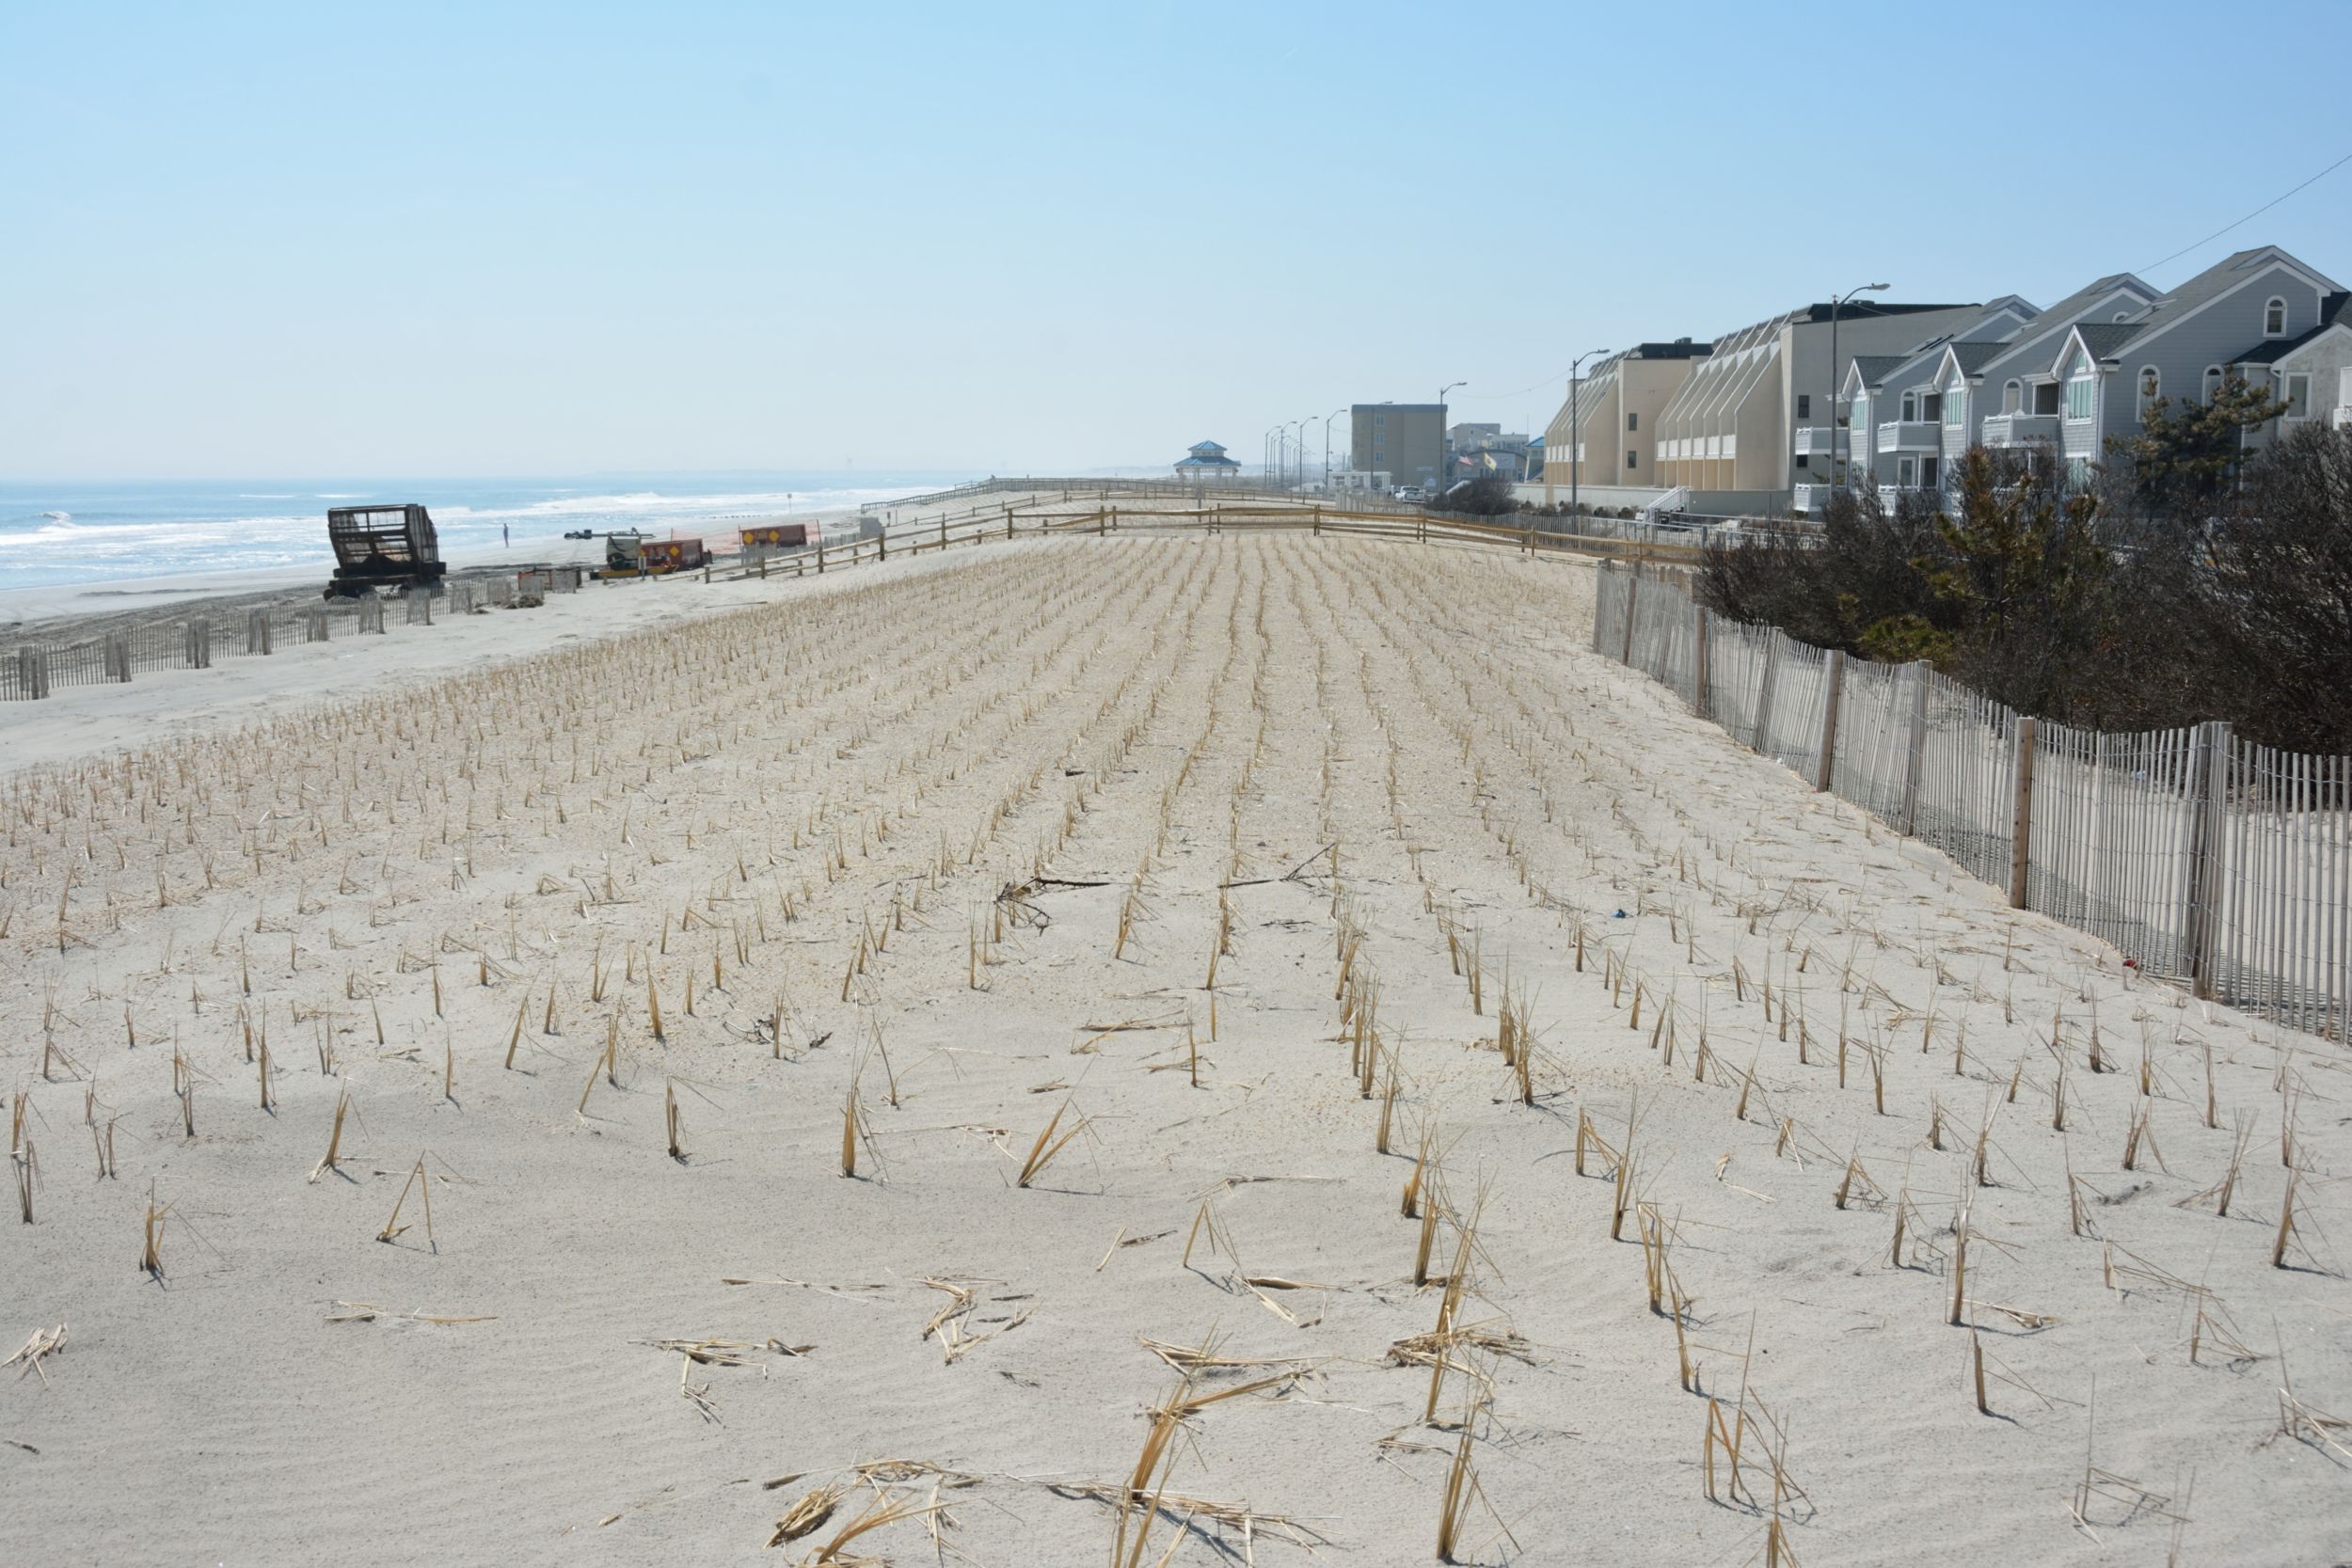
(2261, 315)
(2312, 372)
(1731, 426)
(2071, 378)
(1616, 403)
(1403, 440)
(1890, 413)
(1909, 418)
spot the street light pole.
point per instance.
(1837, 303)
(1437, 473)
(1576, 426)
(1326, 445)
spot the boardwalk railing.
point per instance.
(2201, 857)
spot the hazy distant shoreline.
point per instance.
(61, 537)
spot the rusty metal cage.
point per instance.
(383, 546)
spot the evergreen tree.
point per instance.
(2186, 455)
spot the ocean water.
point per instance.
(65, 533)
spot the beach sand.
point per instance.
(889, 827)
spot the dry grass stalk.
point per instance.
(1042, 1151)
(1388, 1109)
(809, 1514)
(27, 1169)
(887, 1508)
(152, 1244)
(44, 1342)
(424, 1184)
(335, 1137)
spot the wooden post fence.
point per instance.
(2021, 818)
(1833, 687)
(1700, 701)
(1632, 598)
(1915, 747)
(1763, 741)
(2209, 791)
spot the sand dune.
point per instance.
(1116, 894)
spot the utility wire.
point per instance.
(1489, 397)
(2252, 216)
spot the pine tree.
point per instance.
(2185, 455)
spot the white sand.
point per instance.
(1162, 717)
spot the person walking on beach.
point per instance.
(505, 538)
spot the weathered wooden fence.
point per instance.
(2201, 856)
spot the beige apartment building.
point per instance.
(1617, 405)
(1403, 440)
(1731, 425)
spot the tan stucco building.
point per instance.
(1403, 440)
(1617, 405)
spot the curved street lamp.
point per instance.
(1838, 302)
(1437, 474)
(1576, 428)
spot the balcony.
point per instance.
(1813, 441)
(1911, 435)
(2017, 430)
(1811, 499)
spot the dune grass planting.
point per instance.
(1289, 964)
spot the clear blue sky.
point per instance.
(426, 240)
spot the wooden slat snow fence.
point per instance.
(2201, 856)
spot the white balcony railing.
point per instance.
(2017, 430)
(1811, 499)
(1813, 441)
(1911, 435)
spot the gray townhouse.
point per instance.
(1978, 388)
(1893, 408)
(2260, 314)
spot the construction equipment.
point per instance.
(621, 557)
(630, 554)
(778, 536)
(386, 546)
(660, 557)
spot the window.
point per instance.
(1804, 405)
(2298, 396)
(1633, 421)
(2275, 318)
(1927, 472)
(2150, 389)
(1380, 420)
(1911, 406)
(1955, 407)
(2046, 396)
(2213, 382)
(2010, 391)
(1803, 462)
(1907, 471)
(1630, 457)
(1858, 414)
(2080, 383)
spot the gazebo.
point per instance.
(1207, 461)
